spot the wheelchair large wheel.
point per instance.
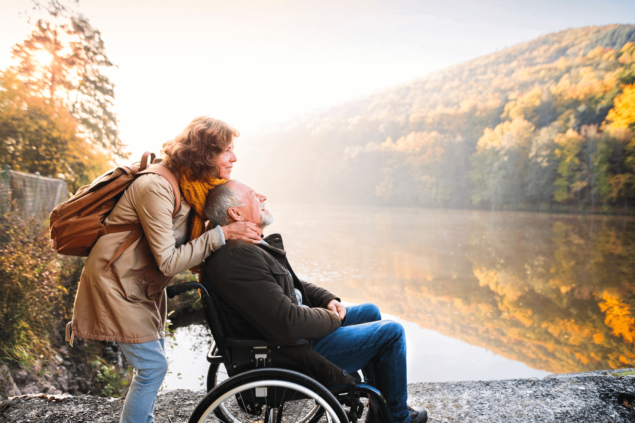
(217, 373)
(268, 396)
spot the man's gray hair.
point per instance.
(218, 202)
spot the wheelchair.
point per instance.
(264, 386)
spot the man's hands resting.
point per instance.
(337, 308)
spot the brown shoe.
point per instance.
(418, 415)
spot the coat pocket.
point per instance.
(283, 277)
(140, 287)
(133, 288)
(155, 281)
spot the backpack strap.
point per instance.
(136, 233)
(144, 160)
(161, 169)
(137, 230)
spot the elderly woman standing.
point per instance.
(126, 301)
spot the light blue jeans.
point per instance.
(364, 341)
(152, 365)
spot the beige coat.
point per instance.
(127, 302)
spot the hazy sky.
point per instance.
(253, 63)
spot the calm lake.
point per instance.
(482, 295)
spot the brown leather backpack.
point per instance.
(77, 224)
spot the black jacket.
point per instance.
(255, 284)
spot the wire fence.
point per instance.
(32, 194)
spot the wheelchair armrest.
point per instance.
(238, 341)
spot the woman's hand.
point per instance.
(337, 308)
(247, 231)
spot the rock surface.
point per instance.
(7, 384)
(582, 397)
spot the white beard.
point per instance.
(266, 219)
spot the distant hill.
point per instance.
(523, 128)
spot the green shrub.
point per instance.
(29, 290)
(37, 290)
(111, 382)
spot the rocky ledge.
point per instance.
(579, 397)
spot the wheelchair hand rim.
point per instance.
(276, 383)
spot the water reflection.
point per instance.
(552, 291)
(432, 357)
(482, 295)
(186, 351)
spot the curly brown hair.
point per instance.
(195, 149)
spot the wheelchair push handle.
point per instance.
(179, 289)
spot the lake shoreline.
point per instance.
(574, 397)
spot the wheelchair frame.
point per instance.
(251, 360)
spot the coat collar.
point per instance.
(273, 245)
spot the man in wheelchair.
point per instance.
(260, 296)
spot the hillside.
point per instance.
(523, 128)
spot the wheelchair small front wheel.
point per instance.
(269, 396)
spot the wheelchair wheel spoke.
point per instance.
(268, 410)
(279, 416)
(242, 400)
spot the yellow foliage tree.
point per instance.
(623, 113)
(37, 135)
(56, 107)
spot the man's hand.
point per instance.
(337, 308)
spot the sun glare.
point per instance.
(43, 57)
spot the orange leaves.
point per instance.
(582, 358)
(598, 338)
(618, 316)
(596, 52)
(571, 331)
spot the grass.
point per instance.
(624, 373)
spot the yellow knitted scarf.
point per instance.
(195, 193)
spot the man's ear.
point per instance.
(235, 214)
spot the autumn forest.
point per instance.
(545, 125)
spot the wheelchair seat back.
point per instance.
(240, 354)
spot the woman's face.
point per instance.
(225, 161)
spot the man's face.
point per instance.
(253, 208)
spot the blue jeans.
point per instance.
(364, 341)
(152, 365)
